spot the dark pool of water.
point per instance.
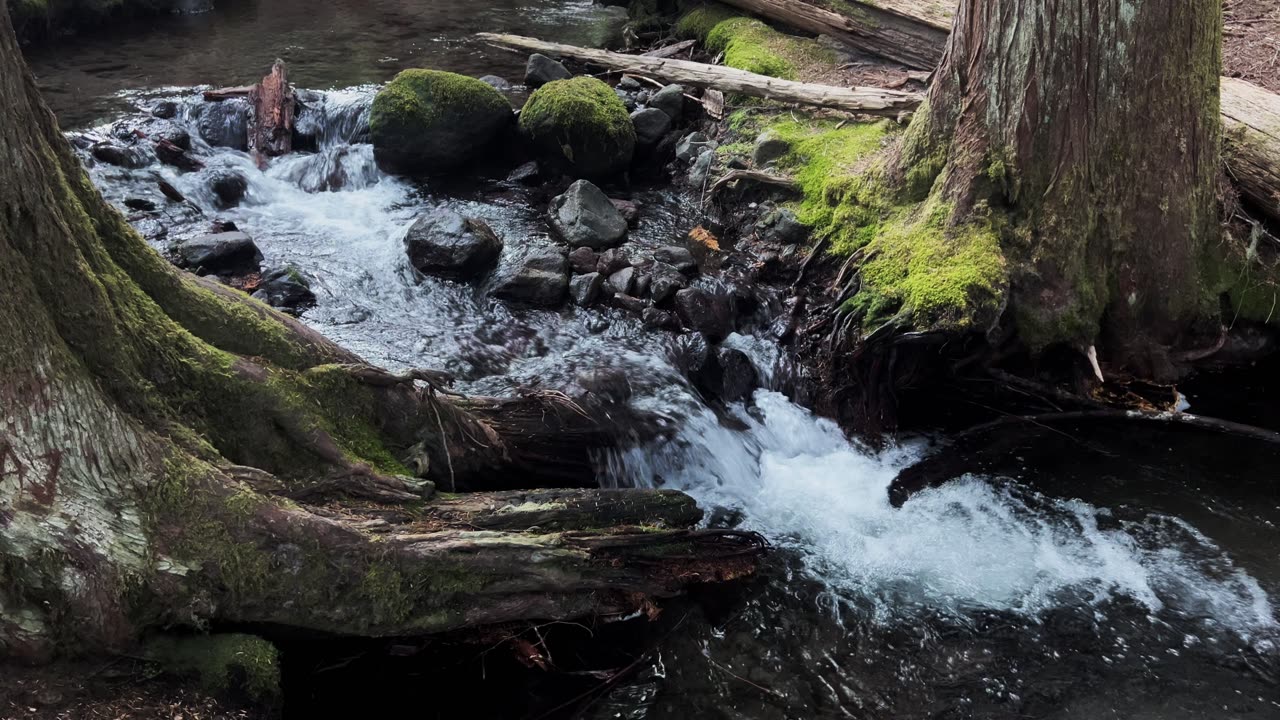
(335, 43)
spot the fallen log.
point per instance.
(227, 93)
(274, 107)
(915, 34)
(893, 29)
(871, 101)
(1251, 142)
(671, 50)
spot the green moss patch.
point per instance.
(430, 120)
(751, 45)
(698, 23)
(236, 664)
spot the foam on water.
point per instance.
(973, 544)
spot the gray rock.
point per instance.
(693, 146)
(651, 126)
(769, 147)
(678, 257)
(154, 129)
(786, 229)
(225, 123)
(669, 100)
(629, 84)
(165, 110)
(583, 260)
(611, 261)
(540, 278)
(286, 289)
(585, 289)
(630, 210)
(445, 243)
(643, 280)
(665, 281)
(630, 303)
(701, 169)
(585, 217)
(229, 187)
(541, 70)
(622, 282)
(497, 83)
(224, 253)
(738, 375)
(527, 174)
(709, 314)
(127, 157)
(628, 99)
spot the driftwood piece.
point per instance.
(915, 34)
(274, 108)
(670, 50)
(561, 510)
(1251, 142)
(227, 93)
(871, 101)
(755, 176)
(713, 103)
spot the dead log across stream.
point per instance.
(915, 34)
(871, 101)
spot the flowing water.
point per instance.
(1105, 572)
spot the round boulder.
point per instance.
(428, 121)
(448, 244)
(581, 127)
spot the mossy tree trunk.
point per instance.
(155, 429)
(1087, 137)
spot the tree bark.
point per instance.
(274, 107)
(154, 426)
(871, 101)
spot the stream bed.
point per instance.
(1098, 572)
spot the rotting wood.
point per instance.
(755, 176)
(870, 101)
(671, 50)
(274, 109)
(1251, 142)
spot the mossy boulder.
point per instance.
(242, 667)
(427, 121)
(581, 127)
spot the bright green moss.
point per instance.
(751, 45)
(582, 124)
(698, 23)
(430, 120)
(222, 663)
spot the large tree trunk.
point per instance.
(158, 433)
(1086, 136)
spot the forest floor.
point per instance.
(1251, 43)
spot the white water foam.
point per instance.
(972, 544)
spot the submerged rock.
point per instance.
(541, 70)
(223, 253)
(224, 123)
(286, 289)
(497, 83)
(229, 187)
(443, 242)
(165, 110)
(540, 278)
(585, 217)
(707, 313)
(738, 375)
(581, 127)
(427, 121)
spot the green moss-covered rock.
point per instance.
(427, 121)
(243, 666)
(581, 127)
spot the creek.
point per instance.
(1093, 571)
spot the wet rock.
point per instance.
(497, 83)
(527, 174)
(660, 319)
(678, 257)
(629, 83)
(769, 148)
(224, 253)
(225, 123)
(643, 281)
(541, 70)
(169, 191)
(707, 313)
(445, 243)
(583, 260)
(585, 289)
(629, 209)
(119, 155)
(784, 228)
(629, 303)
(286, 289)
(611, 261)
(609, 384)
(628, 99)
(693, 355)
(738, 375)
(670, 100)
(701, 170)
(140, 204)
(622, 282)
(229, 187)
(651, 126)
(540, 278)
(154, 129)
(693, 146)
(585, 217)
(165, 110)
(175, 156)
(428, 121)
(580, 127)
(665, 281)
